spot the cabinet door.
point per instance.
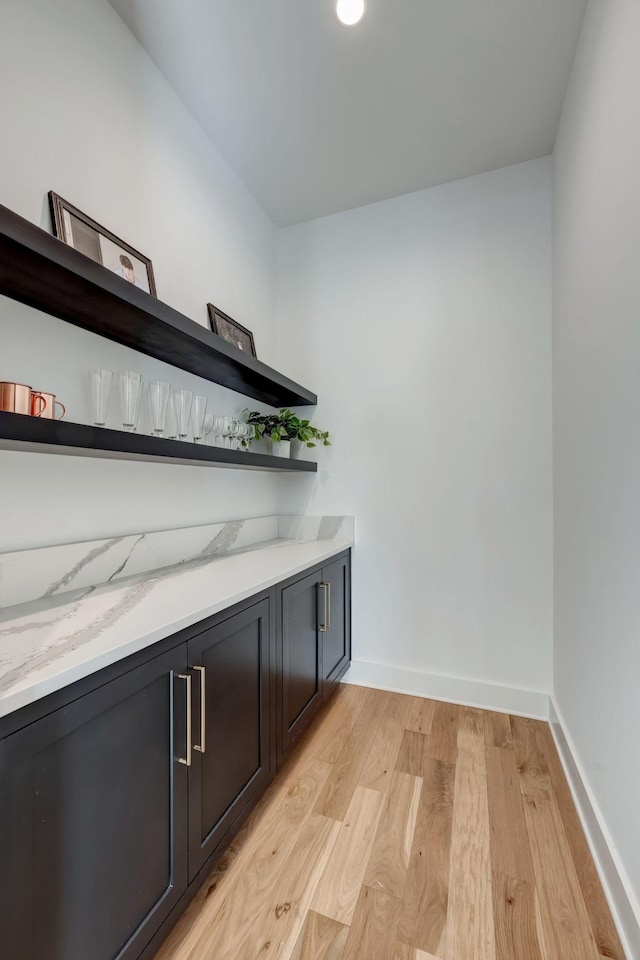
(93, 810)
(230, 666)
(299, 679)
(335, 621)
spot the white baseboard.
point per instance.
(624, 905)
(471, 693)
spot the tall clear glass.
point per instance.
(227, 432)
(172, 420)
(182, 406)
(158, 395)
(198, 411)
(100, 391)
(130, 393)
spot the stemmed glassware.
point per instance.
(198, 411)
(182, 405)
(226, 432)
(249, 434)
(158, 395)
(100, 387)
(130, 392)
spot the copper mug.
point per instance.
(19, 398)
(44, 405)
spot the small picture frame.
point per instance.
(231, 331)
(85, 235)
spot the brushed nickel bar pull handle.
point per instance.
(328, 617)
(187, 760)
(324, 626)
(201, 747)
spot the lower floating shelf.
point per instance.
(33, 435)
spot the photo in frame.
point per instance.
(85, 235)
(231, 331)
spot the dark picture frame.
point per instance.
(231, 331)
(81, 232)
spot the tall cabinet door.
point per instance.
(335, 620)
(299, 677)
(93, 819)
(231, 736)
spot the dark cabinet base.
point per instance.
(112, 811)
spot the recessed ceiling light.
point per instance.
(350, 12)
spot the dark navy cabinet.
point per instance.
(313, 647)
(231, 760)
(120, 792)
(93, 820)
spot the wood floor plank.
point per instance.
(514, 911)
(565, 928)
(604, 931)
(531, 761)
(497, 728)
(403, 951)
(381, 759)
(278, 927)
(423, 915)
(320, 939)
(335, 798)
(470, 929)
(372, 934)
(411, 755)
(420, 717)
(337, 893)
(389, 860)
(213, 925)
(328, 739)
(262, 899)
(443, 740)
(510, 852)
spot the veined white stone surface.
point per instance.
(49, 644)
(46, 572)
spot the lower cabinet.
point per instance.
(93, 820)
(230, 758)
(120, 792)
(314, 646)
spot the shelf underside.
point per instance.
(34, 435)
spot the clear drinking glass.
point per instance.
(226, 432)
(100, 389)
(172, 421)
(208, 426)
(198, 410)
(249, 434)
(130, 393)
(158, 395)
(182, 406)
(218, 439)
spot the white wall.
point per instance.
(424, 323)
(84, 112)
(596, 415)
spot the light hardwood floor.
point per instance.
(407, 829)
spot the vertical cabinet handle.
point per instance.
(201, 747)
(326, 616)
(187, 759)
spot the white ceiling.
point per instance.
(316, 117)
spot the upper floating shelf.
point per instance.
(45, 273)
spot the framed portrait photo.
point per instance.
(231, 331)
(85, 235)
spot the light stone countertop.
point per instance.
(45, 646)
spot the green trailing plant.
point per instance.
(285, 425)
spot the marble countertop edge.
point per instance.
(46, 670)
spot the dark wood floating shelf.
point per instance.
(31, 434)
(41, 271)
